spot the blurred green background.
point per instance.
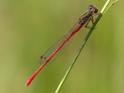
(29, 27)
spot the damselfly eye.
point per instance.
(93, 8)
(90, 7)
(96, 10)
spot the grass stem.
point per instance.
(105, 8)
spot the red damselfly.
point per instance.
(82, 22)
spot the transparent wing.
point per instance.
(59, 42)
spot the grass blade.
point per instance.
(105, 8)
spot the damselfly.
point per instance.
(82, 22)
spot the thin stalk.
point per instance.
(105, 8)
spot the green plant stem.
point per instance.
(105, 8)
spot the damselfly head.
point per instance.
(93, 9)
